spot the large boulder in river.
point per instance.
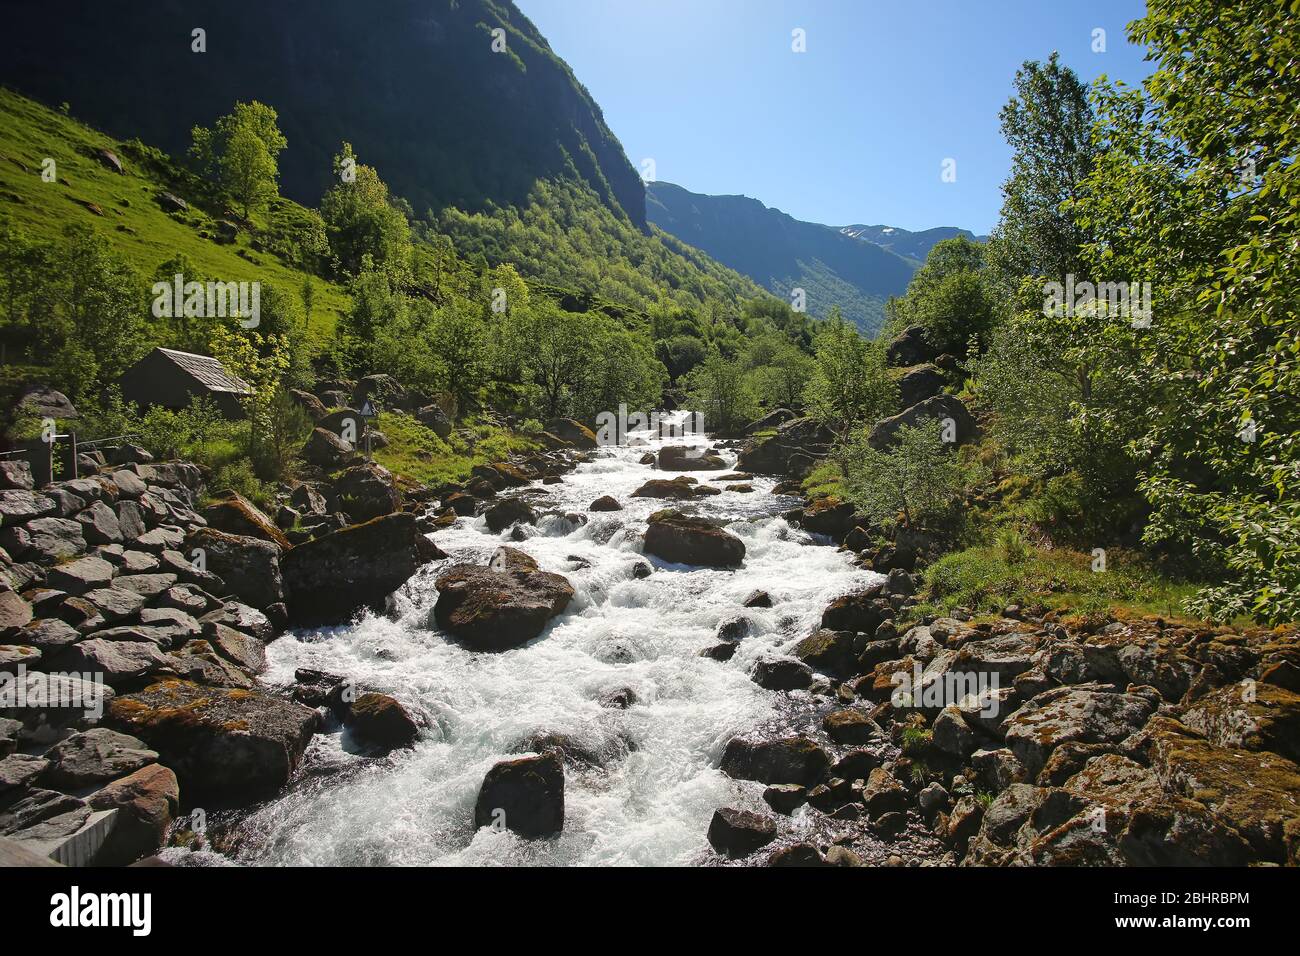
(945, 409)
(796, 760)
(380, 720)
(680, 488)
(687, 458)
(684, 539)
(525, 796)
(250, 567)
(330, 578)
(508, 511)
(236, 745)
(494, 609)
(575, 433)
(736, 833)
(795, 448)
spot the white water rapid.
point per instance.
(652, 802)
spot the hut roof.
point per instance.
(207, 371)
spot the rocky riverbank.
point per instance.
(134, 622)
(1041, 738)
(623, 630)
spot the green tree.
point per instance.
(1048, 124)
(241, 152)
(849, 386)
(949, 296)
(361, 221)
(917, 477)
(1198, 192)
(717, 388)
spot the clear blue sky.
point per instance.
(853, 130)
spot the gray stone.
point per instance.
(114, 604)
(117, 661)
(94, 757)
(82, 575)
(99, 524)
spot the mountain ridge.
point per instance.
(782, 253)
(488, 125)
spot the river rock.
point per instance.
(796, 760)
(738, 833)
(147, 802)
(330, 578)
(605, 503)
(493, 610)
(525, 796)
(863, 611)
(222, 744)
(684, 458)
(782, 674)
(575, 433)
(681, 539)
(785, 797)
(680, 488)
(379, 719)
(508, 511)
(850, 726)
(830, 652)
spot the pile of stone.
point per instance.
(1025, 740)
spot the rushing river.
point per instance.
(652, 801)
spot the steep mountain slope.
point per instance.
(505, 152)
(130, 208)
(911, 245)
(783, 253)
(414, 85)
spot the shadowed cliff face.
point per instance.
(414, 85)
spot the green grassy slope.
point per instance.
(138, 227)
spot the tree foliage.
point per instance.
(241, 152)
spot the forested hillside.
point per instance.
(782, 253)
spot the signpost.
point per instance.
(368, 412)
